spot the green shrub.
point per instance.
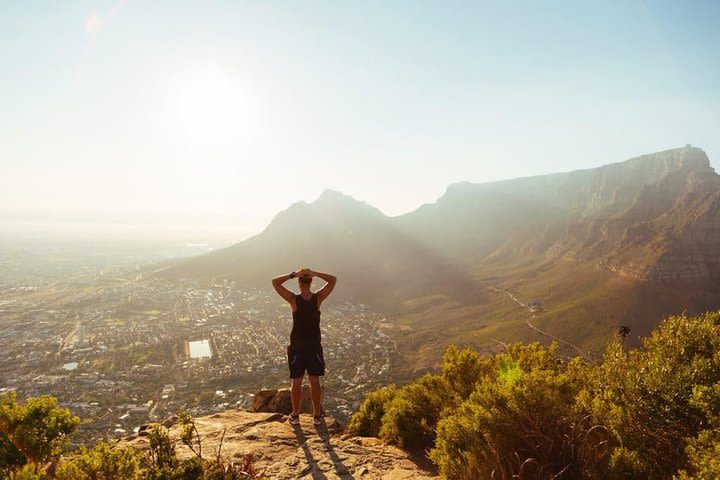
(366, 422)
(704, 457)
(626, 464)
(521, 421)
(411, 417)
(28, 472)
(464, 369)
(704, 451)
(650, 398)
(36, 431)
(161, 455)
(102, 463)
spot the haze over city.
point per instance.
(181, 117)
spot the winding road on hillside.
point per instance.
(536, 329)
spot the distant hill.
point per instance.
(626, 243)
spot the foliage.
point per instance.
(10, 457)
(28, 471)
(704, 457)
(36, 431)
(651, 412)
(412, 416)
(102, 463)
(367, 421)
(464, 369)
(190, 436)
(704, 450)
(161, 453)
(521, 422)
(651, 399)
(35, 434)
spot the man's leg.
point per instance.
(296, 395)
(315, 393)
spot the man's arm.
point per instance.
(331, 280)
(277, 283)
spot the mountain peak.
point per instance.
(335, 201)
(329, 196)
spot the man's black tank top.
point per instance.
(306, 323)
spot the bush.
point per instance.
(102, 463)
(651, 398)
(34, 434)
(625, 464)
(28, 472)
(412, 416)
(704, 451)
(464, 369)
(520, 421)
(704, 457)
(36, 431)
(366, 422)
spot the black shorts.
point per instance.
(305, 359)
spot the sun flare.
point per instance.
(212, 108)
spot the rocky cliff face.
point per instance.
(672, 230)
(304, 451)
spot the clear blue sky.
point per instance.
(237, 109)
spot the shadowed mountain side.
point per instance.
(375, 262)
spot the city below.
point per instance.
(120, 351)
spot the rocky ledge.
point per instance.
(304, 451)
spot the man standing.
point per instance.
(305, 351)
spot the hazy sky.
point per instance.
(234, 110)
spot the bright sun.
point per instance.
(212, 108)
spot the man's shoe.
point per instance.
(294, 419)
(319, 419)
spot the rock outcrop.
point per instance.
(278, 401)
(304, 451)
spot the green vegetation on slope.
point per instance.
(650, 412)
(34, 435)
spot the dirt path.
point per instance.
(536, 329)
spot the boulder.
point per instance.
(278, 401)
